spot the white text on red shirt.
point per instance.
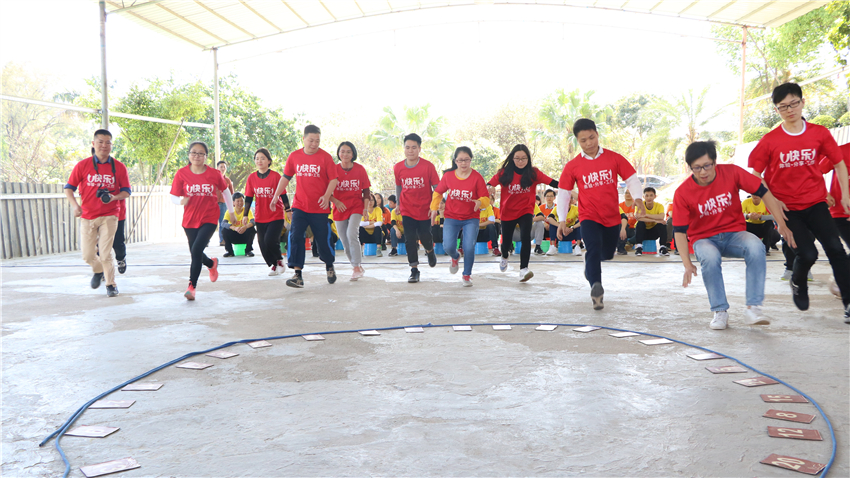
(794, 158)
(98, 180)
(349, 185)
(715, 205)
(413, 183)
(459, 194)
(598, 178)
(200, 190)
(308, 170)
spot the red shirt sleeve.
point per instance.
(433, 176)
(759, 157)
(177, 184)
(366, 182)
(395, 173)
(249, 186)
(481, 187)
(681, 213)
(494, 181)
(825, 165)
(76, 174)
(289, 167)
(122, 178)
(330, 167)
(221, 183)
(624, 167)
(567, 180)
(746, 180)
(442, 186)
(542, 178)
(830, 147)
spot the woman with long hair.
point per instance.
(518, 180)
(349, 199)
(371, 231)
(195, 187)
(466, 195)
(261, 185)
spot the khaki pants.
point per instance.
(97, 235)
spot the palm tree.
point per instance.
(392, 129)
(560, 111)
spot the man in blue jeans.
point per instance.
(707, 210)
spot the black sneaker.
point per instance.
(296, 281)
(331, 275)
(800, 295)
(432, 260)
(538, 251)
(96, 280)
(228, 254)
(621, 253)
(393, 252)
(596, 293)
(111, 291)
(638, 251)
(847, 314)
(383, 247)
(249, 253)
(663, 251)
(414, 276)
(122, 266)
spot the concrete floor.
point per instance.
(479, 403)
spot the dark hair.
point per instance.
(379, 204)
(537, 197)
(220, 163)
(265, 153)
(238, 195)
(460, 149)
(782, 91)
(509, 168)
(372, 196)
(310, 129)
(392, 198)
(413, 137)
(648, 189)
(583, 124)
(195, 143)
(350, 145)
(549, 191)
(101, 132)
(699, 149)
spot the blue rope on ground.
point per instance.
(61, 431)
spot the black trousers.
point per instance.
(198, 239)
(415, 232)
(437, 233)
(525, 221)
(762, 231)
(843, 226)
(268, 236)
(659, 231)
(232, 237)
(376, 237)
(118, 244)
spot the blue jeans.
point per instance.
(731, 244)
(600, 243)
(222, 208)
(574, 236)
(318, 223)
(451, 230)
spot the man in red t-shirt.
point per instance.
(707, 211)
(316, 179)
(415, 179)
(788, 156)
(102, 182)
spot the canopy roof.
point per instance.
(209, 24)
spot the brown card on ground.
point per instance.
(656, 341)
(756, 381)
(796, 433)
(221, 354)
(796, 464)
(108, 467)
(620, 335)
(784, 398)
(501, 327)
(586, 328)
(312, 337)
(789, 416)
(461, 328)
(369, 332)
(195, 365)
(142, 387)
(546, 328)
(708, 356)
(727, 369)
(414, 330)
(112, 404)
(259, 344)
(91, 431)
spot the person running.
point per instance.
(194, 187)
(466, 196)
(316, 178)
(415, 178)
(349, 198)
(518, 179)
(261, 185)
(595, 170)
(788, 156)
(707, 212)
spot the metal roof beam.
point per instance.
(226, 20)
(261, 16)
(766, 4)
(190, 22)
(134, 7)
(156, 25)
(327, 9)
(295, 13)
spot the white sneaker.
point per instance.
(378, 253)
(467, 281)
(503, 264)
(454, 266)
(281, 266)
(525, 275)
(553, 251)
(358, 273)
(274, 271)
(755, 317)
(786, 275)
(577, 251)
(719, 321)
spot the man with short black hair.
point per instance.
(102, 182)
(646, 229)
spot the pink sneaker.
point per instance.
(358, 273)
(190, 292)
(214, 270)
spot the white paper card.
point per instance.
(587, 328)
(369, 332)
(501, 327)
(547, 327)
(312, 337)
(414, 330)
(461, 328)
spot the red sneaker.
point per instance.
(214, 270)
(190, 292)
(497, 252)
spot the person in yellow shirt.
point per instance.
(437, 224)
(370, 226)
(573, 225)
(754, 212)
(646, 229)
(396, 232)
(487, 227)
(234, 232)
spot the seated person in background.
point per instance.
(573, 225)
(538, 229)
(487, 227)
(370, 227)
(234, 232)
(284, 234)
(386, 228)
(497, 213)
(646, 229)
(628, 207)
(754, 208)
(384, 221)
(669, 218)
(546, 208)
(437, 224)
(397, 231)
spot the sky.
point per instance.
(462, 60)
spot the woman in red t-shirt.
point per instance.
(518, 179)
(348, 200)
(261, 185)
(195, 187)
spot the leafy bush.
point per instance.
(844, 120)
(823, 120)
(755, 134)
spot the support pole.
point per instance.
(743, 86)
(104, 101)
(216, 123)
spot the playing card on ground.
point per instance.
(461, 328)
(796, 464)
(727, 369)
(108, 467)
(91, 431)
(708, 356)
(112, 404)
(546, 328)
(587, 328)
(784, 398)
(221, 354)
(655, 341)
(796, 433)
(195, 365)
(789, 416)
(756, 381)
(620, 335)
(369, 332)
(501, 327)
(313, 337)
(414, 330)
(259, 344)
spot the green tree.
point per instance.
(839, 32)
(629, 129)
(392, 128)
(557, 115)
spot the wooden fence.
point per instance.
(36, 219)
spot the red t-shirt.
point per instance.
(598, 199)
(349, 190)
(461, 194)
(518, 201)
(262, 191)
(789, 163)
(416, 183)
(312, 173)
(716, 208)
(834, 189)
(122, 210)
(229, 184)
(201, 189)
(89, 179)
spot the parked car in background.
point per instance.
(647, 180)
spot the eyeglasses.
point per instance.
(791, 105)
(707, 167)
(463, 160)
(197, 155)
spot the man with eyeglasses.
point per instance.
(788, 157)
(103, 182)
(707, 212)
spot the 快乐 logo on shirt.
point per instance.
(349, 185)
(715, 205)
(413, 183)
(517, 189)
(460, 194)
(805, 157)
(199, 190)
(100, 180)
(308, 170)
(264, 192)
(598, 178)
